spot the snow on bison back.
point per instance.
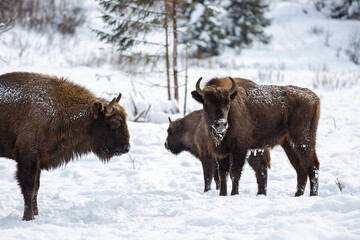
(46, 121)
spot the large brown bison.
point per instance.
(241, 115)
(190, 134)
(47, 121)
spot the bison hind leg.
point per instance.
(313, 172)
(37, 186)
(260, 163)
(307, 154)
(26, 177)
(302, 156)
(294, 158)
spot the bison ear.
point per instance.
(197, 97)
(234, 95)
(98, 109)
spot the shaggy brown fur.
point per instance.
(190, 134)
(259, 117)
(47, 121)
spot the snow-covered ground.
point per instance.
(151, 193)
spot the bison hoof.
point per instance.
(298, 194)
(223, 193)
(28, 217)
(261, 193)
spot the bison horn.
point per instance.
(118, 98)
(233, 87)
(198, 89)
(110, 106)
(170, 120)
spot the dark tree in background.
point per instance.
(128, 22)
(209, 25)
(246, 22)
(213, 25)
(202, 26)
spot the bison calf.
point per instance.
(190, 134)
(47, 121)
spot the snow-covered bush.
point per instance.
(353, 50)
(145, 110)
(345, 9)
(63, 16)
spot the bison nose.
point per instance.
(126, 148)
(166, 145)
(221, 124)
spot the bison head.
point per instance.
(216, 98)
(110, 135)
(174, 141)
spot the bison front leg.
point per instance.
(208, 165)
(26, 177)
(237, 164)
(216, 176)
(223, 170)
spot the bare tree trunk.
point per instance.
(167, 50)
(186, 75)
(176, 85)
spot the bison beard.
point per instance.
(48, 121)
(218, 134)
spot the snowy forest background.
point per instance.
(109, 46)
(229, 36)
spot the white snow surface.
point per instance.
(153, 194)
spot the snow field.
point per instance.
(160, 195)
(152, 193)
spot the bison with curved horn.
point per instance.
(241, 115)
(47, 121)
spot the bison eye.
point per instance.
(169, 131)
(114, 124)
